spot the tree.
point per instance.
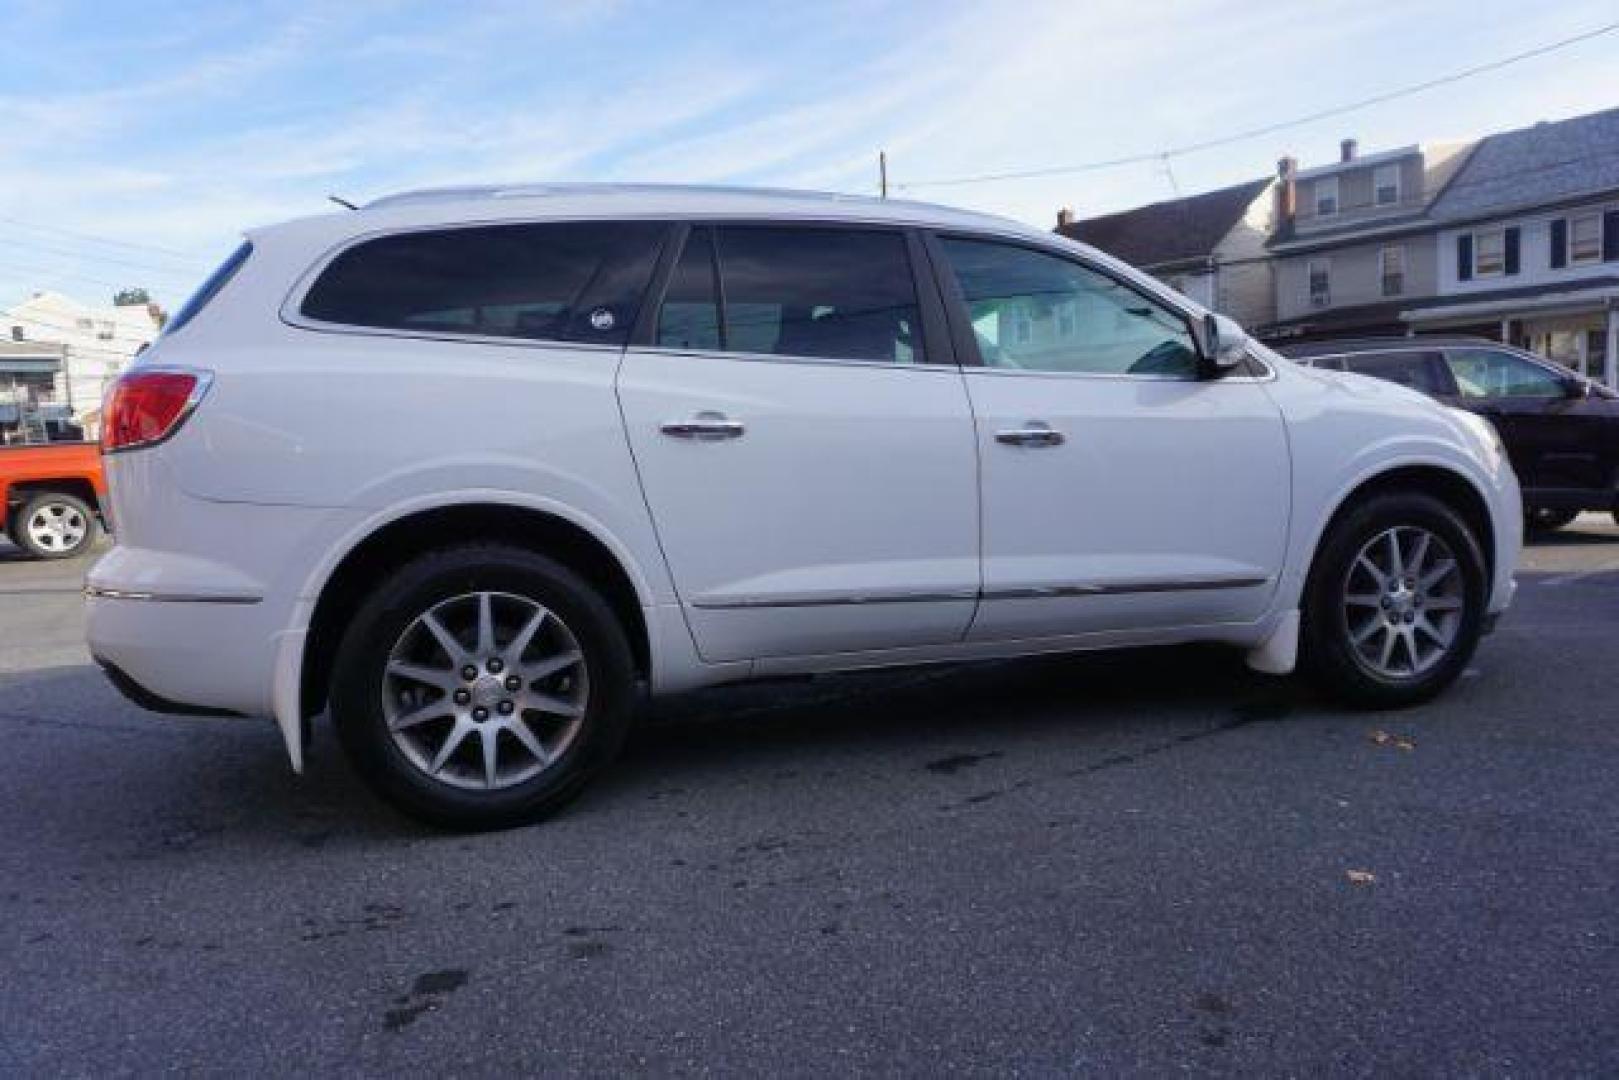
(131, 297)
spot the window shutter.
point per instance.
(1464, 257)
(1610, 236)
(1559, 243)
(1512, 249)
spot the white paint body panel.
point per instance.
(852, 482)
(1127, 499)
(849, 480)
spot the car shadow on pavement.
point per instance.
(146, 785)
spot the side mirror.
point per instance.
(1222, 344)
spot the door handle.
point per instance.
(705, 427)
(1034, 433)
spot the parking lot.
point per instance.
(1124, 863)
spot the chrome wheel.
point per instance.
(1403, 601)
(485, 690)
(57, 528)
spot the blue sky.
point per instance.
(173, 126)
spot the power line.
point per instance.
(189, 256)
(1267, 129)
(36, 248)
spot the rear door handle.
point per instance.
(705, 427)
(1035, 433)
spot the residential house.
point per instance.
(1354, 245)
(1211, 247)
(97, 342)
(28, 377)
(1528, 244)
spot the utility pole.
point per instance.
(882, 173)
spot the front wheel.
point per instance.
(482, 686)
(54, 525)
(1395, 602)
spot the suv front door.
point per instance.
(805, 444)
(1557, 436)
(1120, 490)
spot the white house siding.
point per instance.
(1535, 247)
(1354, 275)
(99, 341)
(1245, 288)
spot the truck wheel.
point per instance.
(53, 525)
(1395, 602)
(1545, 519)
(482, 686)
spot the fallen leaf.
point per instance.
(1361, 877)
(1405, 744)
(1380, 737)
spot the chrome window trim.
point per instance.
(782, 358)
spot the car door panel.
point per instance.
(1163, 499)
(804, 504)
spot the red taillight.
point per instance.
(147, 405)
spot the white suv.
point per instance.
(470, 467)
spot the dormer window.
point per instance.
(1326, 196)
(1386, 184)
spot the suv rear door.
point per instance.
(804, 442)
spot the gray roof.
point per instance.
(1535, 166)
(1164, 233)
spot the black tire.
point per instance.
(1545, 519)
(1328, 651)
(61, 505)
(358, 684)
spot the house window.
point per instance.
(83, 324)
(1489, 252)
(1386, 184)
(16, 332)
(1391, 268)
(1585, 238)
(1320, 283)
(1326, 196)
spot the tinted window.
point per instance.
(1418, 370)
(1487, 373)
(209, 288)
(690, 316)
(1040, 312)
(838, 294)
(576, 281)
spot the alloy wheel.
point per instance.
(1403, 601)
(485, 690)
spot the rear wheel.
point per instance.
(53, 525)
(1545, 519)
(1395, 603)
(482, 687)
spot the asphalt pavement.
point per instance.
(1131, 863)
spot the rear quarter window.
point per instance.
(564, 281)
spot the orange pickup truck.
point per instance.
(51, 496)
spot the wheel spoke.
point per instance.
(1364, 599)
(486, 626)
(445, 639)
(1425, 626)
(1441, 570)
(555, 706)
(1371, 568)
(1443, 603)
(452, 743)
(433, 710)
(525, 735)
(519, 644)
(1396, 562)
(1390, 638)
(491, 753)
(551, 665)
(1358, 637)
(1419, 553)
(440, 678)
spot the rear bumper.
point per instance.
(149, 701)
